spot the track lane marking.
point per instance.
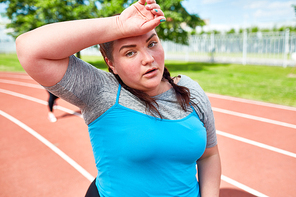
(20, 76)
(241, 100)
(38, 101)
(242, 186)
(64, 156)
(31, 85)
(257, 118)
(258, 144)
(230, 181)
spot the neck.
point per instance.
(163, 87)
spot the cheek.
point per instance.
(128, 70)
(159, 58)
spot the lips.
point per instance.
(149, 71)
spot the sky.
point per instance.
(223, 15)
(226, 14)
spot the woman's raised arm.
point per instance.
(44, 52)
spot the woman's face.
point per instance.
(139, 62)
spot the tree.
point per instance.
(173, 10)
(231, 31)
(26, 15)
(254, 29)
(294, 6)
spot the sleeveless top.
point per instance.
(138, 155)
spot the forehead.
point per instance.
(133, 40)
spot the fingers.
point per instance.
(155, 9)
(142, 2)
(153, 23)
(157, 12)
(152, 6)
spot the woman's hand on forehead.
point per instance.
(143, 2)
(139, 18)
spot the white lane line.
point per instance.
(38, 101)
(49, 145)
(258, 144)
(242, 186)
(226, 179)
(218, 132)
(230, 98)
(20, 76)
(209, 94)
(214, 108)
(31, 85)
(284, 124)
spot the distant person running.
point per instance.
(51, 102)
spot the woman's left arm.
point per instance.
(209, 172)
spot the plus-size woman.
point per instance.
(151, 134)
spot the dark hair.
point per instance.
(182, 93)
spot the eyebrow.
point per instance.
(127, 46)
(150, 37)
(133, 45)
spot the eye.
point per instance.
(129, 53)
(152, 44)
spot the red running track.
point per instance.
(40, 158)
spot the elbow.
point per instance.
(23, 50)
(19, 45)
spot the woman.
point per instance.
(148, 130)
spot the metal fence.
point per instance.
(274, 48)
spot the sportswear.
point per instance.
(137, 154)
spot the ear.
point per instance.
(110, 64)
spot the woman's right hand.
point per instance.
(139, 18)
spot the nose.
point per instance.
(147, 58)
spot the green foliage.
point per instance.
(294, 6)
(173, 11)
(26, 15)
(175, 15)
(232, 31)
(254, 29)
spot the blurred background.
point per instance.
(233, 48)
(246, 32)
(216, 42)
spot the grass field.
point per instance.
(263, 83)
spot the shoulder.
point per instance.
(190, 83)
(87, 72)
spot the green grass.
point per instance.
(9, 62)
(263, 83)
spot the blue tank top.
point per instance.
(138, 155)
